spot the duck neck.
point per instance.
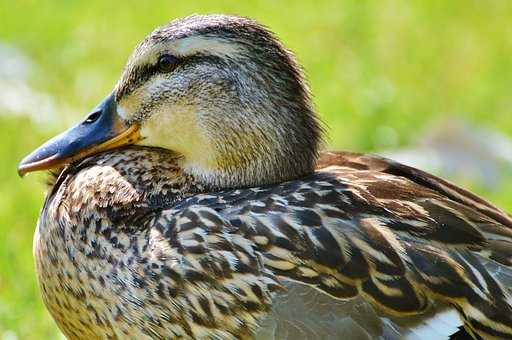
(250, 169)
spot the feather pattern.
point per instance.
(164, 256)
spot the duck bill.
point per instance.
(102, 130)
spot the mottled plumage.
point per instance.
(130, 244)
(227, 225)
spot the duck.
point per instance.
(195, 202)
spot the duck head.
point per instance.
(219, 90)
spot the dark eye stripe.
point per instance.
(135, 78)
(138, 75)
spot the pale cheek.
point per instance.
(123, 112)
(179, 131)
(129, 105)
(164, 130)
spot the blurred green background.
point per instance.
(385, 74)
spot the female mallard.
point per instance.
(225, 222)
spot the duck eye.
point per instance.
(167, 63)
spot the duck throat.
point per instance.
(249, 166)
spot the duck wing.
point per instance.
(393, 183)
(374, 163)
(363, 227)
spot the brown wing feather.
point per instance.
(446, 203)
(363, 226)
(376, 163)
(402, 242)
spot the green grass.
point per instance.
(381, 72)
